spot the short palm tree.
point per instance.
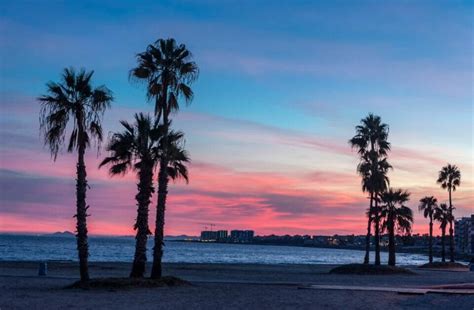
(443, 216)
(173, 149)
(366, 187)
(167, 70)
(450, 178)
(371, 142)
(396, 216)
(75, 102)
(136, 148)
(428, 206)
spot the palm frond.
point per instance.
(167, 70)
(72, 98)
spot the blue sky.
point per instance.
(282, 85)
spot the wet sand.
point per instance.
(221, 286)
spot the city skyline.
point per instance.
(269, 126)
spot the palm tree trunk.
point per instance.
(81, 212)
(451, 232)
(156, 271)
(391, 240)
(443, 244)
(377, 232)
(145, 189)
(367, 238)
(431, 240)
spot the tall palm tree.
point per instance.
(136, 148)
(74, 101)
(168, 71)
(372, 146)
(449, 178)
(443, 216)
(428, 206)
(396, 216)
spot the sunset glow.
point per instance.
(277, 99)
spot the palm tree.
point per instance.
(428, 206)
(400, 218)
(374, 179)
(74, 100)
(366, 187)
(372, 146)
(168, 71)
(176, 169)
(136, 149)
(443, 216)
(449, 178)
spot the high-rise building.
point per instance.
(221, 235)
(242, 236)
(464, 235)
(208, 236)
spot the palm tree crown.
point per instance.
(372, 135)
(168, 71)
(449, 177)
(442, 215)
(177, 156)
(373, 172)
(75, 98)
(428, 205)
(402, 215)
(144, 143)
(134, 147)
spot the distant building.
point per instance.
(464, 235)
(222, 235)
(241, 236)
(208, 236)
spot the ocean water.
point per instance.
(121, 249)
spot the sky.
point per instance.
(282, 85)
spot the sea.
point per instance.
(121, 249)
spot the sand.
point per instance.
(219, 286)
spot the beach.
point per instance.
(226, 286)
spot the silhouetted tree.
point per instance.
(443, 216)
(136, 148)
(172, 149)
(365, 172)
(168, 71)
(75, 102)
(396, 216)
(428, 206)
(449, 178)
(372, 146)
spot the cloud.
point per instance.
(307, 195)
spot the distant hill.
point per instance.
(62, 234)
(68, 234)
(181, 237)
